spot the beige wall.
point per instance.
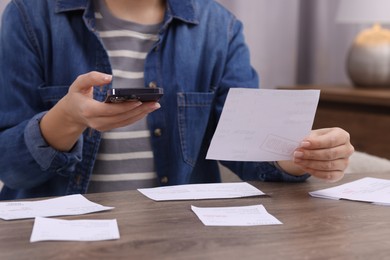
(271, 31)
(274, 34)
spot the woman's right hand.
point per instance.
(64, 123)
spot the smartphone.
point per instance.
(118, 95)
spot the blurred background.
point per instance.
(296, 41)
(293, 42)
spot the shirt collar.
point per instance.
(70, 5)
(179, 9)
(183, 10)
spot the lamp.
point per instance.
(368, 61)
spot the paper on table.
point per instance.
(46, 229)
(263, 124)
(235, 216)
(202, 191)
(366, 189)
(66, 205)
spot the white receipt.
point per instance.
(61, 206)
(48, 229)
(366, 189)
(202, 191)
(263, 124)
(255, 215)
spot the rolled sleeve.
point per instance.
(280, 175)
(46, 156)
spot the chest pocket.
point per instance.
(52, 94)
(193, 115)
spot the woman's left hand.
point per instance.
(323, 154)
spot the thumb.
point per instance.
(85, 82)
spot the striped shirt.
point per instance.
(125, 157)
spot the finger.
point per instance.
(325, 138)
(106, 122)
(127, 121)
(329, 176)
(85, 82)
(326, 166)
(339, 152)
(102, 109)
(123, 109)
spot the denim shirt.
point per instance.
(46, 44)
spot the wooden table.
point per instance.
(363, 112)
(313, 228)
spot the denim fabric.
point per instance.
(46, 44)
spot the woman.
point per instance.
(60, 57)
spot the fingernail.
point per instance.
(297, 160)
(298, 154)
(107, 77)
(305, 144)
(157, 105)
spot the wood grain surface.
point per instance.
(313, 228)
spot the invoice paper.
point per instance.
(366, 189)
(263, 124)
(66, 205)
(235, 216)
(202, 191)
(49, 229)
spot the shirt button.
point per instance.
(157, 132)
(152, 84)
(164, 180)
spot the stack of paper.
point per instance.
(255, 215)
(220, 216)
(367, 189)
(253, 124)
(47, 229)
(202, 191)
(62, 206)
